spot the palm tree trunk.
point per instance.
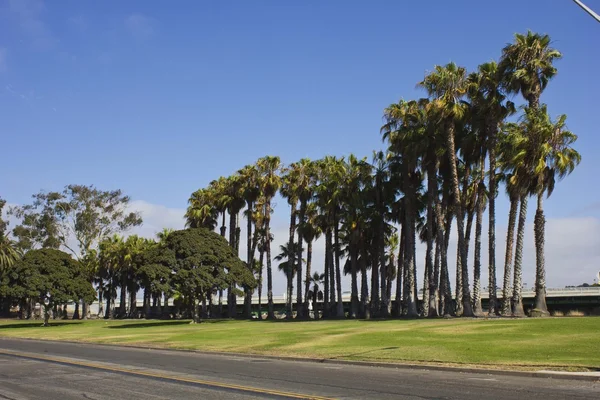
(518, 278)
(430, 282)
(123, 302)
(132, 303)
(326, 269)
(466, 291)
(354, 272)
(230, 294)
(223, 227)
(383, 275)
(374, 299)
(338, 272)
(300, 310)
(249, 260)
(508, 257)
(447, 307)
(309, 250)
(493, 296)
(331, 275)
(409, 258)
(477, 309)
(364, 286)
(147, 310)
(271, 312)
(261, 257)
(291, 261)
(397, 310)
(541, 309)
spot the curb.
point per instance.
(483, 371)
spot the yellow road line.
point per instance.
(129, 371)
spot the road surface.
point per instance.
(55, 370)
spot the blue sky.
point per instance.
(159, 98)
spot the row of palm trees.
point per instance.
(447, 155)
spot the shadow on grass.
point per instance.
(163, 323)
(36, 324)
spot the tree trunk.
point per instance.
(466, 291)
(307, 281)
(374, 299)
(132, 304)
(397, 311)
(409, 260)
(518, 278)
(76, 315)
(479, 205)
(541, 309)
(232, 244)
(47, 309)
(249, 260)
(100, 301)
(508, 257)
(382, 310)
(332, 303)
(300, 310)
(493, 296)
(338, 272)
(261, 258)
(354, 312)
(326, 268)
(271, 312)
(123, 302)
(364, 287)
(291, 262)
(430, 283)
(446, 307)
(147, 311)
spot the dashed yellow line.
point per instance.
(174, 378)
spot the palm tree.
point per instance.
(492, 108)
(305, 183)
(315, 294)
(546, 155)
(270, 181)
(527, 66)
(289, 191)
(402, 122)
(201, 212)
(288, 265)
(447, 86)
(250, 193)
(310, 231)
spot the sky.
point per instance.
(160, 98)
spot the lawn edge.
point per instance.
(474, 370)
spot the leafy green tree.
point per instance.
(50, 277)
(202, 260)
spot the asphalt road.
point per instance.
(55, 370)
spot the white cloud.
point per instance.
(140, 26)
(156, 217)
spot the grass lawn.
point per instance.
(556, 343)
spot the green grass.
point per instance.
(563, 343)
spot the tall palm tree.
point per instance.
(489, 99)
(527, 65)
(310, 231)
(305, 186)
(400, 129)
(201, 212)
(270, 181)
(315, 294)
(250, 192)
(289, 191)
(447, 86)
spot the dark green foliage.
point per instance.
(50, 277)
